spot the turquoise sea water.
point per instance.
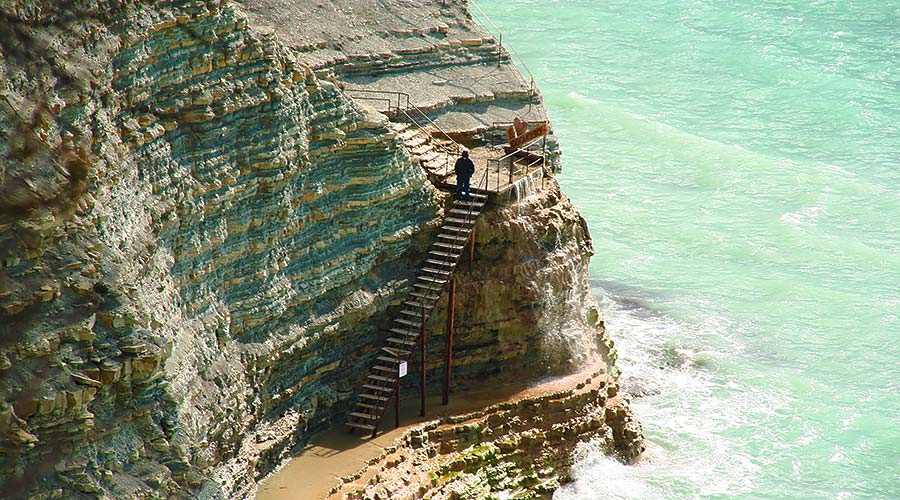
(738, 163)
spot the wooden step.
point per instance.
(364, 415)
(396, 352)
(401, 126)
(415, 313)
(445, 263)
(406, 135)
(403, 321)
(460, 221)
(361, 426)
(476, 198)
(369, 407)
(385, 369)
(425, 296)
(416, 142)
(448, 245)
(464, 212)
(373, 397)
(418, 305)
(382, 378)
(388, 359)
(433, 279)
(472, 203)
(442, 272)
(452, 237)
(408, 332)
(456, 229)
(433, 288)
(447, 255)
(395, 340)
(438, 164)
(378, 388)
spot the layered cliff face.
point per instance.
(199, 238)
(195, 234)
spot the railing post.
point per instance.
(544, 155)
(448, 354)
(397, 402)
(471, 248)
(423, 348)
(375, 430)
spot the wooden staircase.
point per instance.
(434, 155)
(383, 382)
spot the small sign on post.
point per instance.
(401, 372)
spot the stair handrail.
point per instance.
(520, 149)
(451, 265)
(398, 107)
(403, 97)
(509, 48)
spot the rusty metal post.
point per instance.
(471, 248)
(448, 354)
(375, 430)
(397, 403)
(422, 365)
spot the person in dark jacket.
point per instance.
(464, 169)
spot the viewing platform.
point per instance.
(496, 175)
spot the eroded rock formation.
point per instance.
(519, 449)
(524, 307)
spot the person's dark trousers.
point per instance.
(463, 184)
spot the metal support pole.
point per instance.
(423, 346)
(471, 248)
(397, 403)
(448, 354)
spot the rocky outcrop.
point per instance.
(519, 449)
(524, 307)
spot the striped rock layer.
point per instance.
(199, 238)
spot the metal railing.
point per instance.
(512, 158)
(485, 20)
(399, 104)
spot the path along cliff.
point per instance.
(200, 232)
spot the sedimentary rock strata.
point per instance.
(200, 236)
(239, 221)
